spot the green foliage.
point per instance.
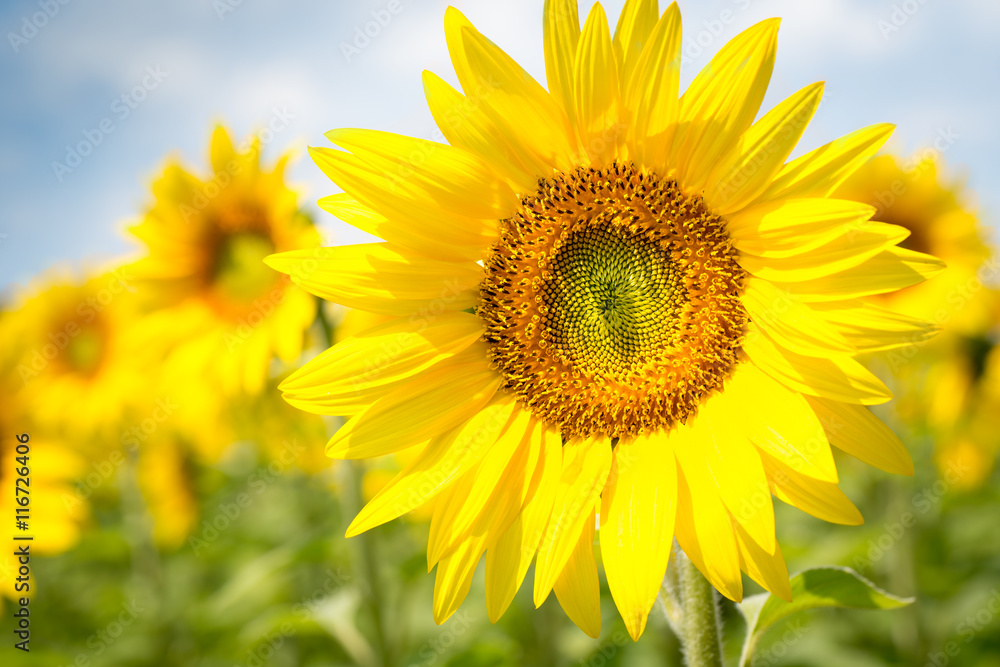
(818, 587)
(281, 586)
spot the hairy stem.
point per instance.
(700, 624)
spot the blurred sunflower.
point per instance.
(279, 431)
(165, 473)
(912, 193)
(606, 299)
(225, 314)
(78, 364)
(939, 384)
(54, 513)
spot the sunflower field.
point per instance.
(592, 334)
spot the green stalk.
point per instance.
(138, 528)
(370, 562)
(369, 547)
(693, 612)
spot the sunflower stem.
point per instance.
(325, 323)
(670, 593)
(370, 558)
(700, 623)
(370, 562)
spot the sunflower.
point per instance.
(53, 517)
(165, 472)
(941, 384)
(224, 313)
(75, 350)
(913, 193)
(610, 304)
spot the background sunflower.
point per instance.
(941, 384)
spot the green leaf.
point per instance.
(819, 587)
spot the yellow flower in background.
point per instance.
(78, 366)
(226, 314)
(913, 194)
(940, 383)
(165, 473)
(606, 300)
(282, 433)
(967, 462)
(53, 521)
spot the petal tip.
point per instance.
(635, 625)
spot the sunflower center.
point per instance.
(85, 350)
(239, 272)
(611, 302)
(609, 297)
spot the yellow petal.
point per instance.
(585, 466)
(383, 355)
(870, 328)
(450, 177)
(517, 484)
(379, 278)
(651, 93)
(430, 404)
(888, 271)
(793, 226)
(704, 528)
(722, 101)
(560, 36)
(638, 508)
(791, 323)
(635, 23)
(767, 569)
(356, 214)
(780, 422)
(445, 458)
(401, 235)
(716, 448)
(747, 169)
(533, 117)
(837, 377)
(842, 253)
(453, 521)
(597, 91)
(577, 587)
(820, 172)
(823, 500)
(855, 430)
(508, 561)
(458, 237)
(454, 577)
(463, 123)
(221, 151)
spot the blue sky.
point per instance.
(930, 66)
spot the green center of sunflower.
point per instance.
(611, 302)
(610, 299)
(239, 272)
(85, 350)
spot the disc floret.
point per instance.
(612, 302)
